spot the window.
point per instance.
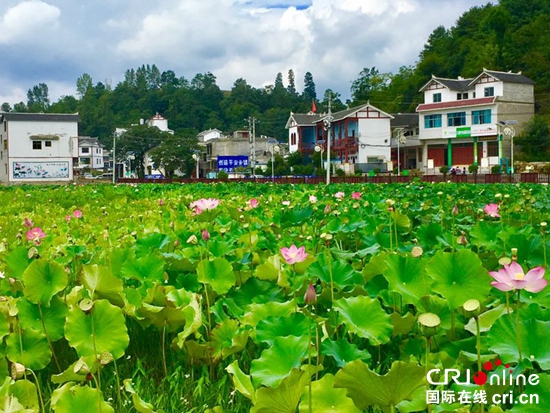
(85, 150)
(462, 96)
(48, 144)
(432, 121)
(456, 119)
(373, 159)
(480, 117)
(37, 145)
(489, 91)
(437, 97)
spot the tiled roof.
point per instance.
(507, 77)
(404, 119)
(455, 104)
(41, 117)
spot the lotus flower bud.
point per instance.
(455, 210)
(429, 324)
(80, 367)
(205, 235)
(311, 296)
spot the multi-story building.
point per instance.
(461, 119)
(37, 146)
(90, 153)
(360, 136)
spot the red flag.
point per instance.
(313, 108)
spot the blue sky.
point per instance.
(56, 41)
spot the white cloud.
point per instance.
(55, 41)
(27, 20)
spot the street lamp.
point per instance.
(274, 148)
(401, 139)
(509, 130)
(197, 158)
(319, 149)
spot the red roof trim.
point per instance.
(455, 104)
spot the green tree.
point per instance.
(370, 82)
(309, 93)
(291, 88)
(38, 99)
(6, 107)
(83, 83)
(534, 141)
(136, 142)
(175, 153)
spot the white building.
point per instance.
(90, 153)
(37, 146)
(460, 119)
(360, 136)
(209, 134)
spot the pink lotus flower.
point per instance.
(254, 203)
(356, 195)
(286, 203)
(77, 213)
(512, 277)
(293, 254)
(312, 199)
(204, 204)
(68, 218)
(492, 210)
(339, 195)
(35, 235)
(28, 223)
(161, 202)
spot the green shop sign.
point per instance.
(464, 132)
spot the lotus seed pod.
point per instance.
(514, 254)
(429, 324)
(471, 308)
(86, 305)
(504, 261)
(417, 251)
(105, 358)
(17, 371)
(81, 367)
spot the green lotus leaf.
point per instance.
(540, 392)
(459, 277)
(402, 221)
(102, 284)
(270, 269)
(43, 279)
(140, 405)
(270, 328)
(277, 361)
(193, 319)
(5, 327)
(377, 265)
(28, 347)
(402, 324)
(326, 398)
(295, 217)
(368, 388)
(241, 381)
(365, 317)
(102, 329)
(26, 394)
(71, 398)
(17, 262)
(218, 273)
(285, 397)
(406, 275)
(343, 273)
(10, 404)
(428, 234)
(342, 351)
(226, 339)
(485, 234)
(487, 319)
(74, 373)
(257, 312)
(502, 339)
(53, 317)
(146, 269)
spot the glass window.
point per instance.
(489, 91)
(437, 97)
(48, 144)
(432, 121)
(480, 117)
(37, 145)
(456, 119)
(85, 150)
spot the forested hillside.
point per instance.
(511, 35)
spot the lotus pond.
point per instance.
(274, 299)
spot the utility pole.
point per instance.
(114, 158)
(328, 128)
(252, 140)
